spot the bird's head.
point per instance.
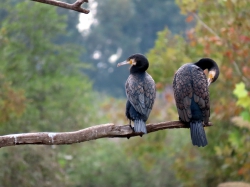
(211, 66)
(138, 62)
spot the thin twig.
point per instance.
(239, 72)
(205, 25)
(75, 6)
(95, 132)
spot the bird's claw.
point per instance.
(133, 129)
(130, 125)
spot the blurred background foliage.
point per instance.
(55, 78)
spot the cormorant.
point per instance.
(191, 94)
(140, 91)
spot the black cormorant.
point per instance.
(191, 94)
(140, 91)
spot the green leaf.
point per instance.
(245, 115)
(240, 90)
(236, 139)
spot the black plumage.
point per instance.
(191, 94)
(140, 91)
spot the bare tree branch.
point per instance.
(205, 25)
(95, 132)
(75, 6)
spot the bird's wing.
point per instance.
(182, 86)
(191, 81)
(149, 93)
(201, 93)
(140, 92)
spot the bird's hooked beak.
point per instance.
(210, 79)
(131, 61)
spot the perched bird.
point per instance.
(191, 94)
(140, 91)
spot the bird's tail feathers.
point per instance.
(198, 134)
(140, 126)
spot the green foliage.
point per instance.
(12, 101)
(163, 55)
(243, 100)
(56, 91)
(42, 89)
(109, 163)
(30, 166)
(240, 92)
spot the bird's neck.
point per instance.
(206, 63)
(134, 69)
(138, 73)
